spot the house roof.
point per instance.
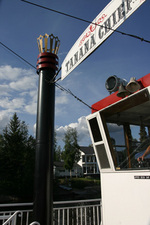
(87, 150)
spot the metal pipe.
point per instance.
(46, 69)
(43, 190)
(43, 203)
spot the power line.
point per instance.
(68, 91)
(53, 10)
(56, 84)
(87, 21)
(77, 18)
(17, 55)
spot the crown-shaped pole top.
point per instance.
(48, 43)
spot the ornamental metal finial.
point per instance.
(48, 43)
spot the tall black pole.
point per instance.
(43, 202)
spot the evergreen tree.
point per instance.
(71, 152)
(16, 159)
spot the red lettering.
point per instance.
(92, 28)
(88, 34)
(99, 20)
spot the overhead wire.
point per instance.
(87, 21)
(68, 91)
(74, 17)
(17, 55)
(53, 80)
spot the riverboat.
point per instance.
(119, 127)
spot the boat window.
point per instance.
(95, 130)
(101, 152)
(128, 143)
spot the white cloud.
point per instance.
(4, 119)
(82, 130)
(31, 103)
(24, 83)
(17, 78)
(8, 103)
(18, 93)
(9, 73)
(61, 99)
(18, 90)
(31, 108)
(4, 90)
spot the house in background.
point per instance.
(86, 166)
(88, 161)
(60, 171)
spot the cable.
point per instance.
(53, 80)
(87, 21)
(17, 55)
(134, 36)
(28, 62)
(68, 91)
(56, 84)
(53, 10)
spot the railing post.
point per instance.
(81, 213)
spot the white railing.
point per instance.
(81, 212)
(25, 209)
(13, 218)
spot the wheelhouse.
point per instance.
(120, 134)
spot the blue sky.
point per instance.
(20, 26)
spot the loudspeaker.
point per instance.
(113, 82)
(122, 92)
(133, 85)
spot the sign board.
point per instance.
(111, 17)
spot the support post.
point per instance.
(43, 190)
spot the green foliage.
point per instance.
(57, 150)
(17, 153)
(71, 152)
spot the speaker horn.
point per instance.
(113, 82)
(122, 92)
(133, 85)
